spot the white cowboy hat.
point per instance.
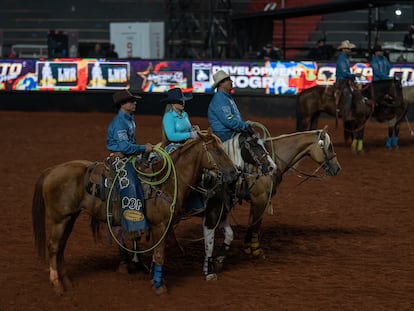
(218, 77)
(346, 45)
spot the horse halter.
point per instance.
(326, 164)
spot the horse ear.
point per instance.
(209, 132)
(324, 131)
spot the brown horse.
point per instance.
(62, 192)
(381, 101)
(287, 151)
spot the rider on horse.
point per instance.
(344, 93)
(177, 129)
(122, 144)
(381, 83)
(223, 115)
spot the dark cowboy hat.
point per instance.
(176, 95)
(377, 48)
(123, 96)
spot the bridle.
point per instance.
(212, 179)
(326, 164)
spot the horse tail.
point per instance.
(39, 217)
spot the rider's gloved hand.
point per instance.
(194, 134)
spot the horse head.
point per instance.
(322, 152)
(215, 159)
(254, 152)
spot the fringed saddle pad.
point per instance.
(232, 148)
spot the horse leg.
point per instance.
(208, 267)
(57, 243)
(314, 121)
(260, 196)
(348, 134)
(228, 238)
(251, 240)
(396, 133)
(360, 141)
(388, 143)
(123, 253)
(158, 260)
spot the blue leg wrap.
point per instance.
(388, 143)
(157, 275)
(395, 141)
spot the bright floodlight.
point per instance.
(398, 12)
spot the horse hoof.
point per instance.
(123, 268)
(218, 265)
(59, 289)
(160, 290)
(67, 284)
(211, 277)
(258, 253)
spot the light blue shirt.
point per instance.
(177, 127)
(121, 135)
(224, 116)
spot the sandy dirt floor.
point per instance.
(337, 243)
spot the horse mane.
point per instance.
(290, 135)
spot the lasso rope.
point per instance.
(170, 168)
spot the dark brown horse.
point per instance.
(381, 101)
(258, 189)
(63, 191)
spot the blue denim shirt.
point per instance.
(343, 68)
(380, 68)
(121, 135)
(177, 127)
(224, 116)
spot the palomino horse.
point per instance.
(288, 151)
(249, 154)
(381, 101)
(61, 193)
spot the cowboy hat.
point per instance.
(218, 77)
(346, 45)
(123, 96)
(177, 95)
(377, 48)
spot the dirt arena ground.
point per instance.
(338, 243)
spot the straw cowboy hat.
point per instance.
(123, 96)
(218, 77)
(346, 45)
(176, 95)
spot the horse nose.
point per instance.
(231, 176)
(334, 170)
